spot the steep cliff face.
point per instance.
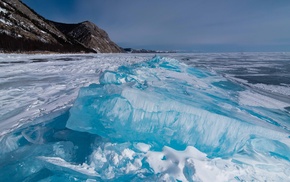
(89, 35)
(21, 29)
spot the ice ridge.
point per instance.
(159, 120)
(165, 102)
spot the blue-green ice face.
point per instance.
(164, 102)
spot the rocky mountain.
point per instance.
(22, 29)
(89, 35)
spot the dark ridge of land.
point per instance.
(23, 30)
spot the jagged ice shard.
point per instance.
(158, 120)
(162, 102)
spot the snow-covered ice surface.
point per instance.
(35, 85)
(140, 117)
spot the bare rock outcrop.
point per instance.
(90, 36)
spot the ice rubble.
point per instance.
(113, 160)
(159, 120)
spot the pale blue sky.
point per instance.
(191, 25)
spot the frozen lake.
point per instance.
(170, 117)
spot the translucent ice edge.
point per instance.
(155, 121)
(165, 102)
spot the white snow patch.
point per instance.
(5, 22)
(284, 90)
(254, 99)
(83, 169)
(43, 32)
(3, 10)
(193, 165)
(5, 31)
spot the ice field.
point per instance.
(145, 117)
